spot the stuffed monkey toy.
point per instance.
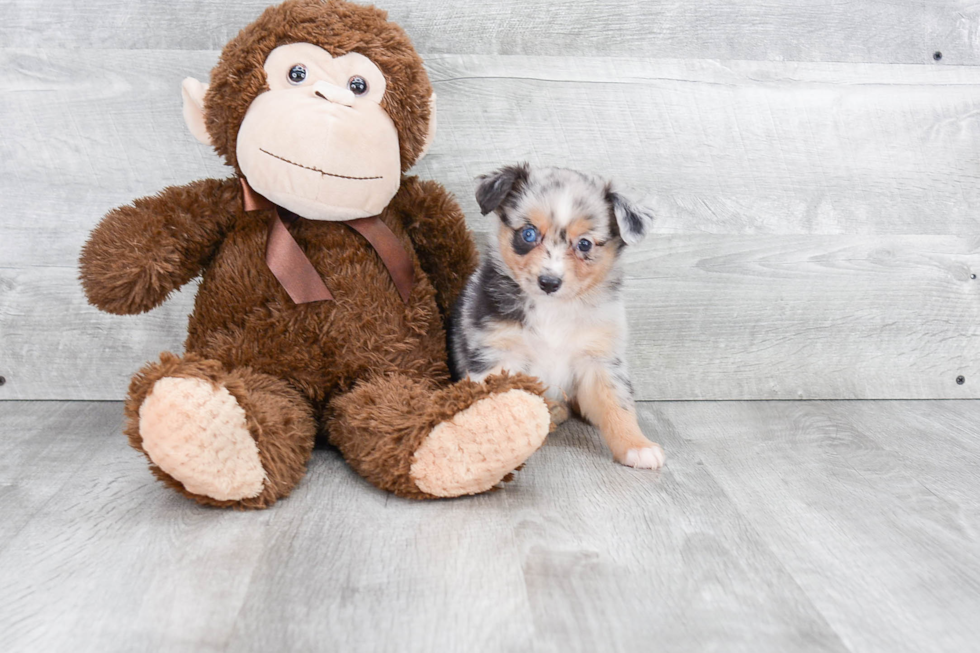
(327, 276)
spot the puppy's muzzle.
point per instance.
(548, 283)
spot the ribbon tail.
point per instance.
(392, 254)
(296, 273)
(291, 267)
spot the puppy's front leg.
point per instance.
(604, 399)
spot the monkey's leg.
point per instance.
(408, 436)
(224, 438)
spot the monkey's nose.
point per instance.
(334, 93)
(548, 283)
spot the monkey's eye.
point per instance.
(357, 85)
(529, 234)
(297, 74)
(584, 245)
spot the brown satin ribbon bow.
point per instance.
(296, 273)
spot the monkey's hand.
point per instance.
(437, 227)
(140, 253)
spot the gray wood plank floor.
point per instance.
(776, 526)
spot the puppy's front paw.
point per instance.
(651, 457)
(559, 412)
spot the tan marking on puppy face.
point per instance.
(584, 271)
(587, 274)
(525, 268)
(539, 218)
(562, 215)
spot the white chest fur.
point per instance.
(559, 340)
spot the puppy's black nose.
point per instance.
(549, 284)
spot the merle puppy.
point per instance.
(546, 300)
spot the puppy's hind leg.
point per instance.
(604, 399)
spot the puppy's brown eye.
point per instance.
(584, 245)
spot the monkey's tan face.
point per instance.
(318, 141)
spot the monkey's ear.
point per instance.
(193, 93)
(495, 187)
(430, 135)
(632, 219)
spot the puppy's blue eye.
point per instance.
(530, 234)
(584, 245)
(297, 74)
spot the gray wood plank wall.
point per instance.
(814, 171)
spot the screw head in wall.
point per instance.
(937, 56)
(960, 380)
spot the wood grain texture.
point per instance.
(108, 561)
(895, 31)
(882, 157)
(733, 148)
(53, 345)
(42, 447)
(711, 317)
(826, 317)
(739, 148)
(775, 526)
(665, 565)
(870, 507)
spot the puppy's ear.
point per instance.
(632, 219)
(495, 187)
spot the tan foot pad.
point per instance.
(197, 433)
(479, 446)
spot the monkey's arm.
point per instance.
(140, 253)
(437, 227)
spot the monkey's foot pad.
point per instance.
(197, 433)
(480, 445)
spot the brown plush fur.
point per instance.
(141, 253)
(368, 370)
(278, 417)
(338, 27)
(381, 423)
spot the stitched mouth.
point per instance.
(322, 172)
